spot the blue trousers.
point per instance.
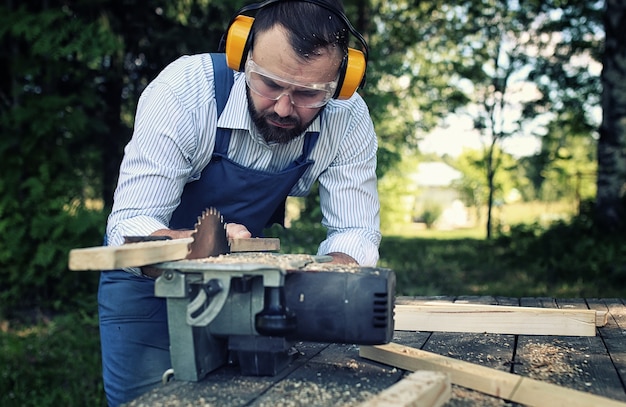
(133, 334)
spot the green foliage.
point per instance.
(52, 362)
(47, 117)
(430, 214)
(572, 255)
(397, 191)
(72, 73)
(34, 259)
(473, 185)
(565, 259)
(436, 267)
(301, 238)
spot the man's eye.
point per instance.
(307, 94)
(272, 85)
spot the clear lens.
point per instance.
(273, 87)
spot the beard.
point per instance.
(273, 134)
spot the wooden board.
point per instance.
(128, 255)
(495, 351)
(479, 318)
(146, 253)
(255, 244)
(504, 385)
(419, 389)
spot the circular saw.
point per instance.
(209, 236)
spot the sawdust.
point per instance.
(310, 393)
(546, 360)
(302, 262)
(558, 363)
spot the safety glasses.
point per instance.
(273, 87)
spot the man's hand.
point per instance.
(174, 234)
(233, 231)
(154, 272)
(237, 231)
(341, 258)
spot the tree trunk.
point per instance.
(612, 143)
(491, 172)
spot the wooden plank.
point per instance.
(419, 389)
(492, 350)
(257, 244)
(504, 385)
(128, 255)
(152, 252)
(479, 318)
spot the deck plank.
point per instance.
(576, 362)
(490, 350)
(614, 333)
(336, 376)
(225, 387)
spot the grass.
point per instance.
(458, 266)
(47, 361)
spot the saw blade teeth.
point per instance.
(209, 239)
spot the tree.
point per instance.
(473, 186)
(411, 71)
(72, 74)
(49, 111)
(610, 200)
(512, 68)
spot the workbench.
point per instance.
(335, 375)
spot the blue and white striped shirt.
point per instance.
(173, 141)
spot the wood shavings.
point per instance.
(302, 262)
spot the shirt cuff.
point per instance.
(359, 248)
(137, 226)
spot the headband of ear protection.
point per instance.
(237, 43)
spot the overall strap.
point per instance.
(223, 78)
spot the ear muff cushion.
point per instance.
(237, 42)
(354, 75)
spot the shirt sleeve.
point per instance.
(349, 195)
(161, 157)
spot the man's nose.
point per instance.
(283, 106)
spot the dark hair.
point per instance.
(310, 25)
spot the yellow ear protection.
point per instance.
(237, 42)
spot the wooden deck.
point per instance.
(335, 375)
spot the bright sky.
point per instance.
(459, 135)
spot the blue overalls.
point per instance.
(133, 322)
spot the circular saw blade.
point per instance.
(209, 236)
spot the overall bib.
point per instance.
(133, 322)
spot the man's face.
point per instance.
(285, 92)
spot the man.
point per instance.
(279, 130)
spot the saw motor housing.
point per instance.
(252, 313)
